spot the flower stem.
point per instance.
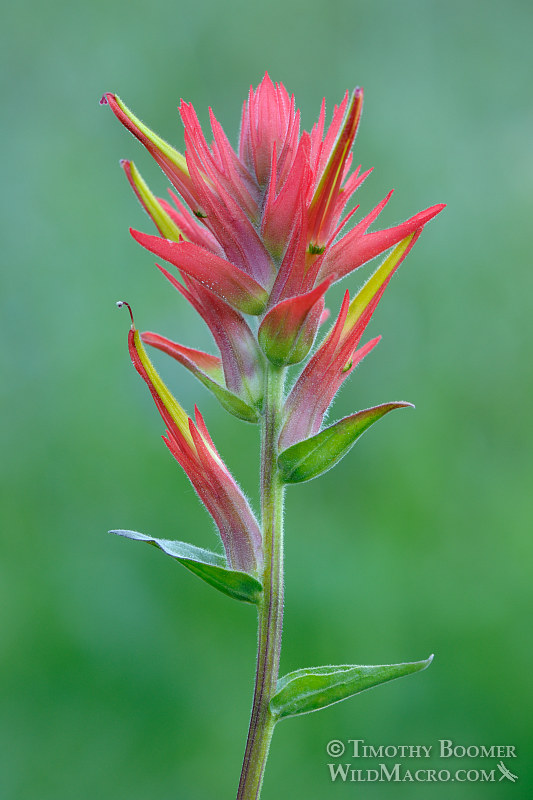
(270, 612)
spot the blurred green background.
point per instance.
(121, 675)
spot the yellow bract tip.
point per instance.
(162, 220)
(365, 296)
(167, 398)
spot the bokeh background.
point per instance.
(121, 675)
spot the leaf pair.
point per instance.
(210, 567)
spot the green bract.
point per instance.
(311, 689)
(210, 567)
(313, 456)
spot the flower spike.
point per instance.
(265, 231)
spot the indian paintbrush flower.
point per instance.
(257, 232)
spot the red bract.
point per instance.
(281, 193)
(240, 355)
(339, 354)
(190, 443)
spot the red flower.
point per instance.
(266, 219)
(257, 232)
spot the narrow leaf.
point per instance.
(311, 689)
(210, 567)
(311, 457)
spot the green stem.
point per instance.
(271, 608)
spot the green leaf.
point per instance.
(227, 399)
(311, 457)
(311, 689)
(210, 567)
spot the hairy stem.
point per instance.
(271, 608)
